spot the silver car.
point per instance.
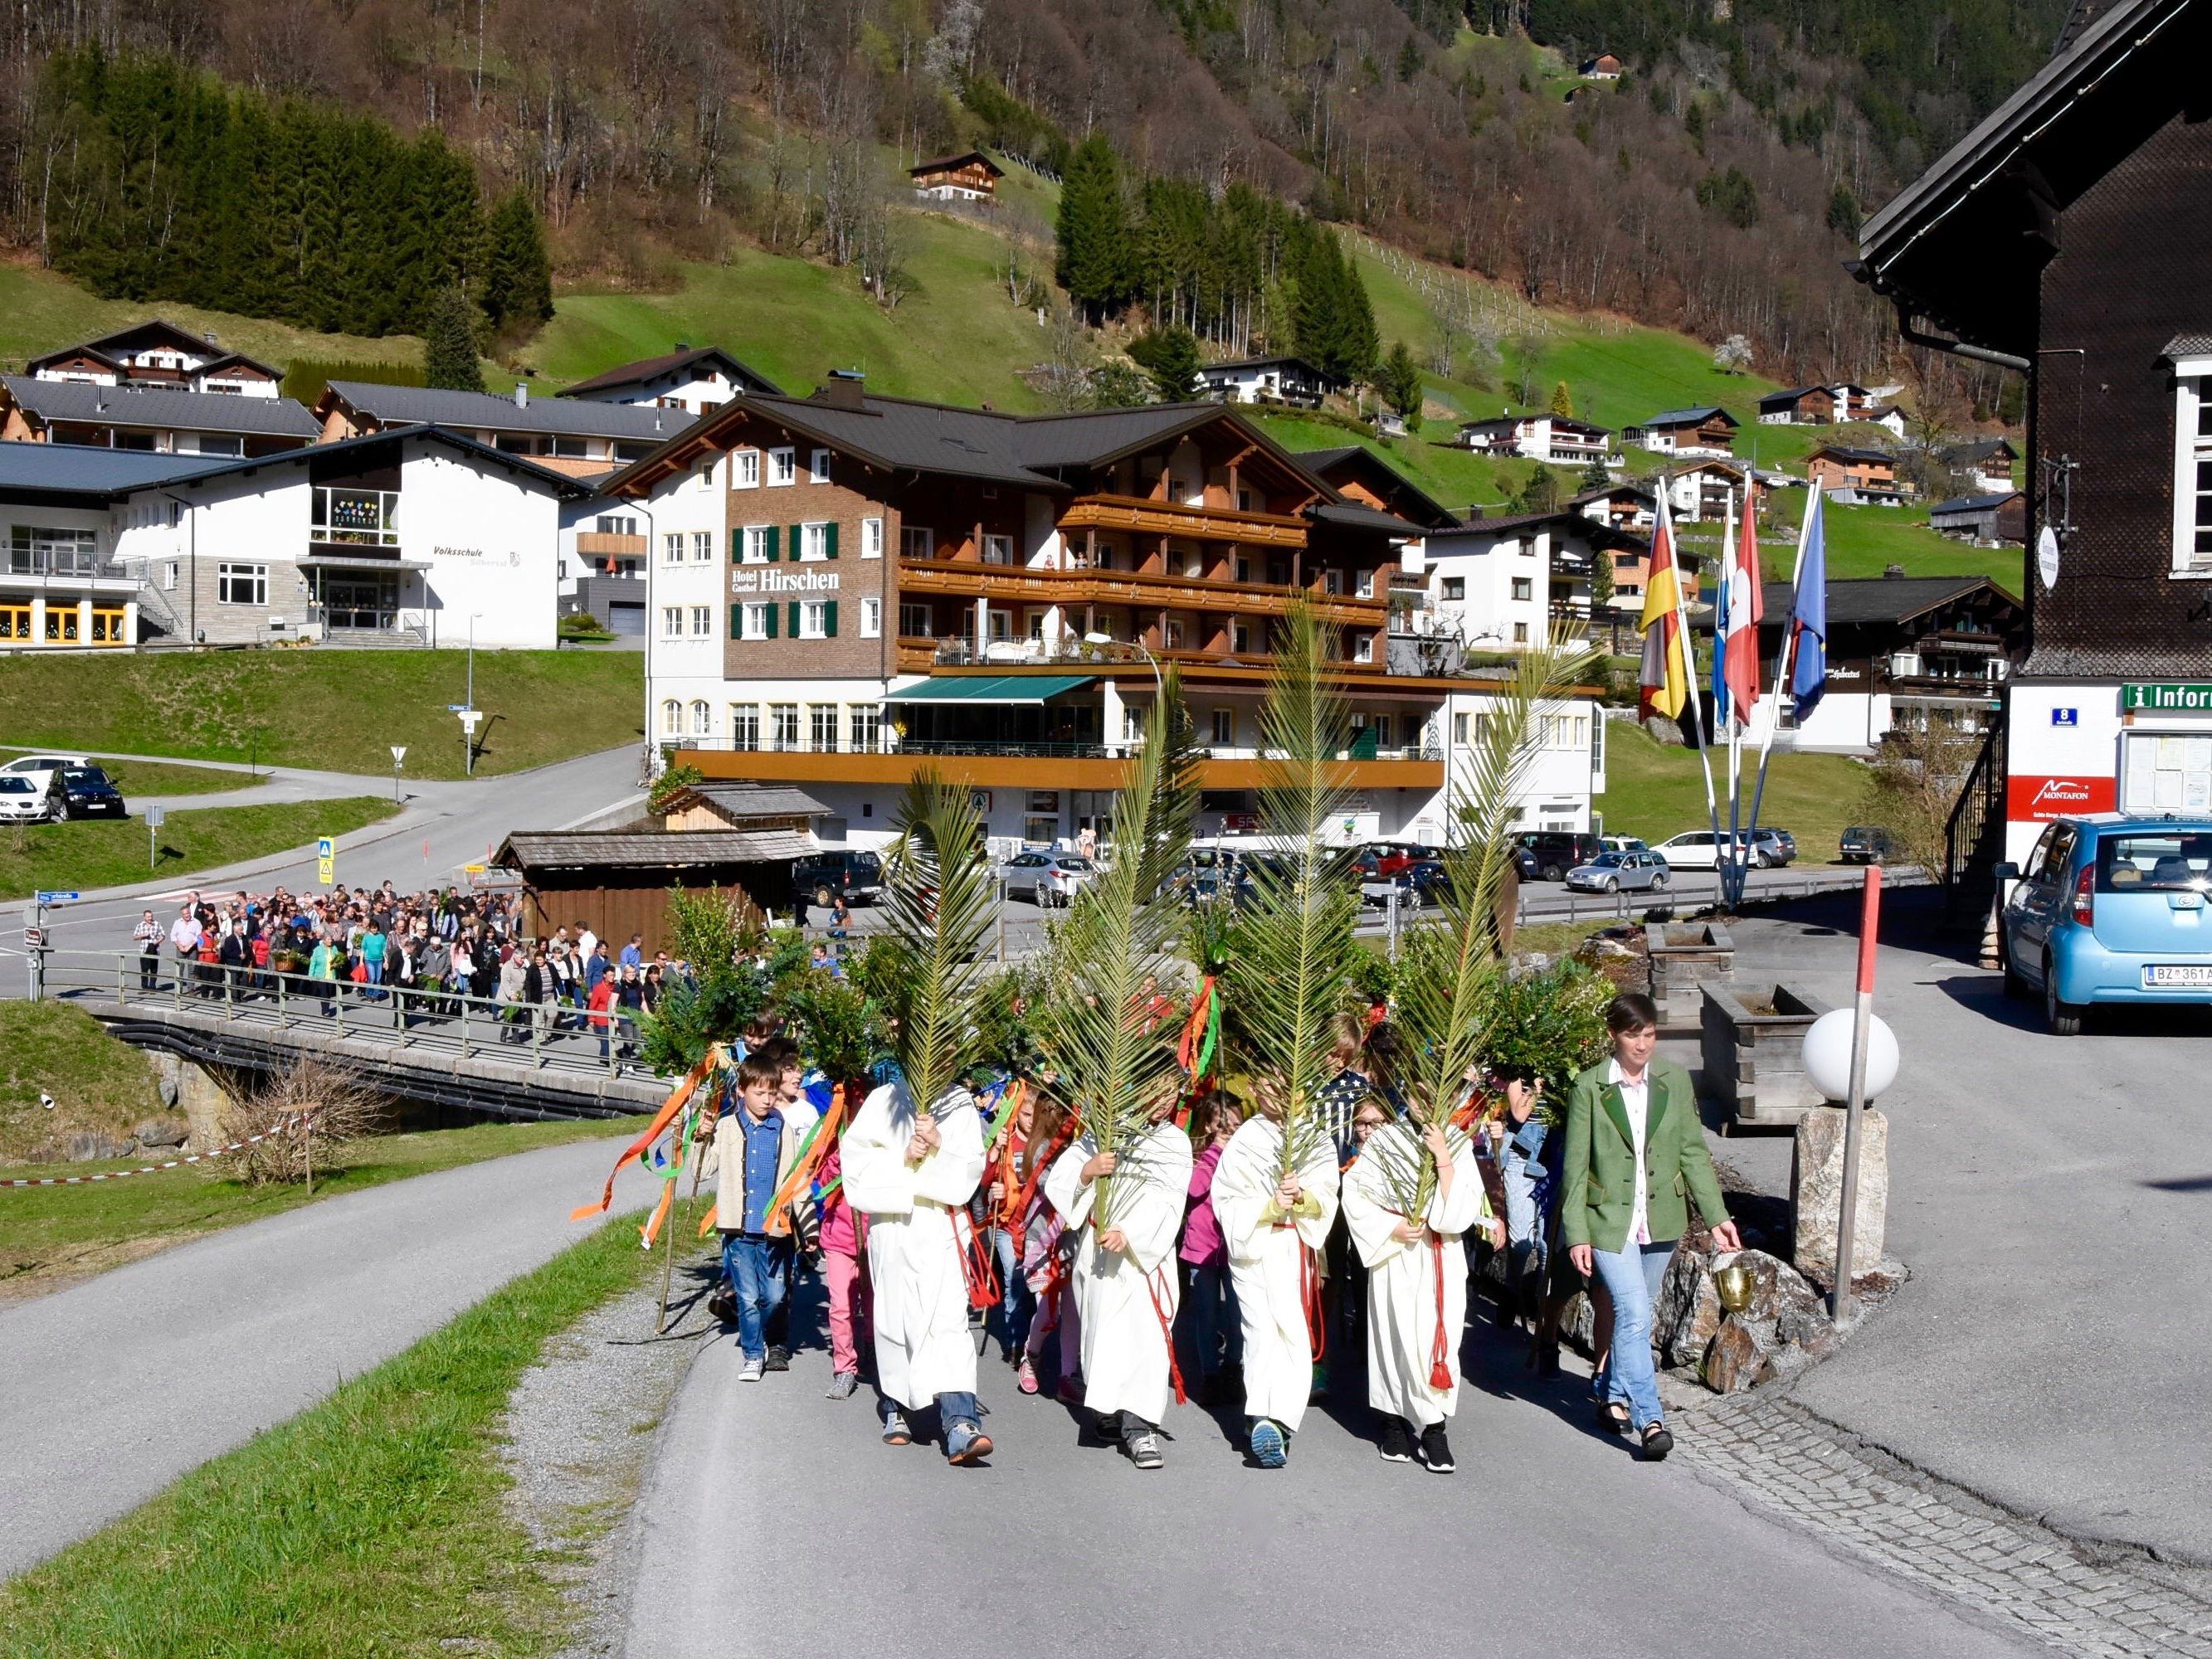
(1615, 872)
(1047, 878)
(22, 801)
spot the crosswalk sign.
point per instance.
(326, 861)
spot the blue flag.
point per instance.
(1717, 691)
(1808, 619)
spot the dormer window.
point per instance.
(2193, 467)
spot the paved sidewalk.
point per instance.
(112, 1390)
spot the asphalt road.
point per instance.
(1549, 1539)
(113, 1388)
(2052, 1196)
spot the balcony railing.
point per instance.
(41, 562)
(1220, 524)
(1018, 747)
(604, 544)
(1149, 589)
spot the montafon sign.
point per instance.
(2168, 697)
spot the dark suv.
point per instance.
(1558, 851)
(823, 876)
(84, 792)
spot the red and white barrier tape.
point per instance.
(152, 1169)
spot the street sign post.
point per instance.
(326, 861)
(469, 717)
(156, 816)
(398, 754)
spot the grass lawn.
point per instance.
(372, 1523)
(1655, 791)
(99, 1082)
(62, 1233)
(136, 778)
(112, 851)
(331, 710)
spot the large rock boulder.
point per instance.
(1688, 1312)
(84, 1145)
(1816, 1192)
(157, 1133)
(1741, 1355)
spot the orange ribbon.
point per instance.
(662, 1119)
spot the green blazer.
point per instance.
(1598, 1175)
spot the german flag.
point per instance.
(1664, 682)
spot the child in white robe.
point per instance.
(1276, 1230)
(1126, 1285)
(911, 1173)
(1416, 1283)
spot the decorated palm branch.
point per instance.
(1291, 960)
(1114, 1060)
(940, 892)
(1450, 968)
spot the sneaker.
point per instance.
(965, 1442)
(1271, 1448)
(1656, 1443)
(896, 1432)
(1026, 1378)
(1397, 1445)
(751, 1373)
(1143, 1448)
(778, 1359)
(1436, 1450)
(842, 1386)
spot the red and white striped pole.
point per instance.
(1861, 1030)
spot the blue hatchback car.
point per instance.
(2111, 909)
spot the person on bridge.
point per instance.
(1127, 1288)
(911, 1173)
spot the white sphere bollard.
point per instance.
(1828, 1056)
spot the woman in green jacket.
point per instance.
(1635, 1159)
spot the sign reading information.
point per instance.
(2168, 697)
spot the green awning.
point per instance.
(990, 688)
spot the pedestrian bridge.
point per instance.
(443, 1048)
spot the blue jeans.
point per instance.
(1632, 1277)
(1217, 1330)
(759, 1269)
(1017, 1304)
(1524, 1235)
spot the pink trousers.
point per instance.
(848, 1310)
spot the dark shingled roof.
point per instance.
(1880, 598)
(646, 368)
(763, 800)
(1846, 452)
(94, 469)
(1358, 515)
(1357, 458)
(570, 849)
(1979, 449)
(479, 411)
(162, 407)
(1691, 417)
(1792, 395)
(1974, 504)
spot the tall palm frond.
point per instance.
(1291, 970)
(940, 890)
(1448, 970)
(1115, 1063)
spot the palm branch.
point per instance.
(1450, 968)
(1119, 930)
(1289, 970)
(940, 892)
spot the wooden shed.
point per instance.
(617, 883)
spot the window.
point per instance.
(1240, 637)
(36, 551)
(1244, 502)
(917, 622)
(814, 541)
(2192, 493)
(817, 467)
(241, 584)
(783, 725)
(1174, 635)
(671, 719)
(703, 621)
(702, 547)
(871, 618)
(744, 726)
(998, 550)
(871, 538)
(1332, 582)
(1520, 633)
(1366, 584)
(1454, 587)
(866, 726)
(813, 620)
(744, 469)
(753, 620)
(1527, 549)
(220, 444)
(1224, 727)
(782, 468)
(1459, 729)
(706, 462)
(917, 542)
(1244, 570)
(672, 547)
(615, 524)
(703, 720)
(1523, 587)
(354, 518)
(1363, 648)
(671, 621)
(755, 543)
(169, 576)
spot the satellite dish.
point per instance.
(2046, 558)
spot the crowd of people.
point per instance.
(1197, 1260)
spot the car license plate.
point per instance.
(2165, 976)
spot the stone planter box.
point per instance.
(1685, 957)
(1754, 1062)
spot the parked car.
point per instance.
(1416, 886)
(1863, 843)
(22, 801)
(1615, 872)
(2110, 909)
(1624, 844)
(1218, 882)
(40, 770)
(1558, 851)
(1047, 878)
(84, 792)
(1787, 841)
(1700, 849)
(1398, 858)
(824, 876)
(1777, 847)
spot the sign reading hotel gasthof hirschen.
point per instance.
(2168, 697)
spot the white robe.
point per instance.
(1268, 1264)
(1126, 1302)
(1402, 1301)
(916, 1232)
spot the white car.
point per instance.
(22, 801)
(38, 771)
(1047, 878)
(1699, 849)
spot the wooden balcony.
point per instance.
(1205, 524)
(1004, 584)
(600, 544)
(1025, 770)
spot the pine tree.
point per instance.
(518, 280)
(1401, 381)
(1092, 233)
(1600, 578)
(1562, 402)
(1333, 324)
(449, 344)
(1594, 475)
(1170, 357)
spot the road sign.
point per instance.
(398, 753)
(455, 707)
(326, 861)
(156, 816)
(34, 938)
(469, 719)
(59, 898)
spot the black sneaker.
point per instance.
(1397, 1445)
(1657, 1442)
(778, 1359)
(1436, 1450)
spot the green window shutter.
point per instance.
(737, 545)
(829, 619)
(792, 619)
(798, 547)
(830, 538)
(771, 543)
(770, 610)
(736, 622)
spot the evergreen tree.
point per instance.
(1595, 476)
(1562, 402)
(1334, 324)
(1117, 386)
(1541, 493)
(1401, 381)
(1092, 233)
(518, 281)
(1169, 358)
(1600, 578)
(449, 344)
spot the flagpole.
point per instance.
(1697, 705)
(1786, 655)
(1732, 881)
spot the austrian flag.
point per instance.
(1741, 614)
